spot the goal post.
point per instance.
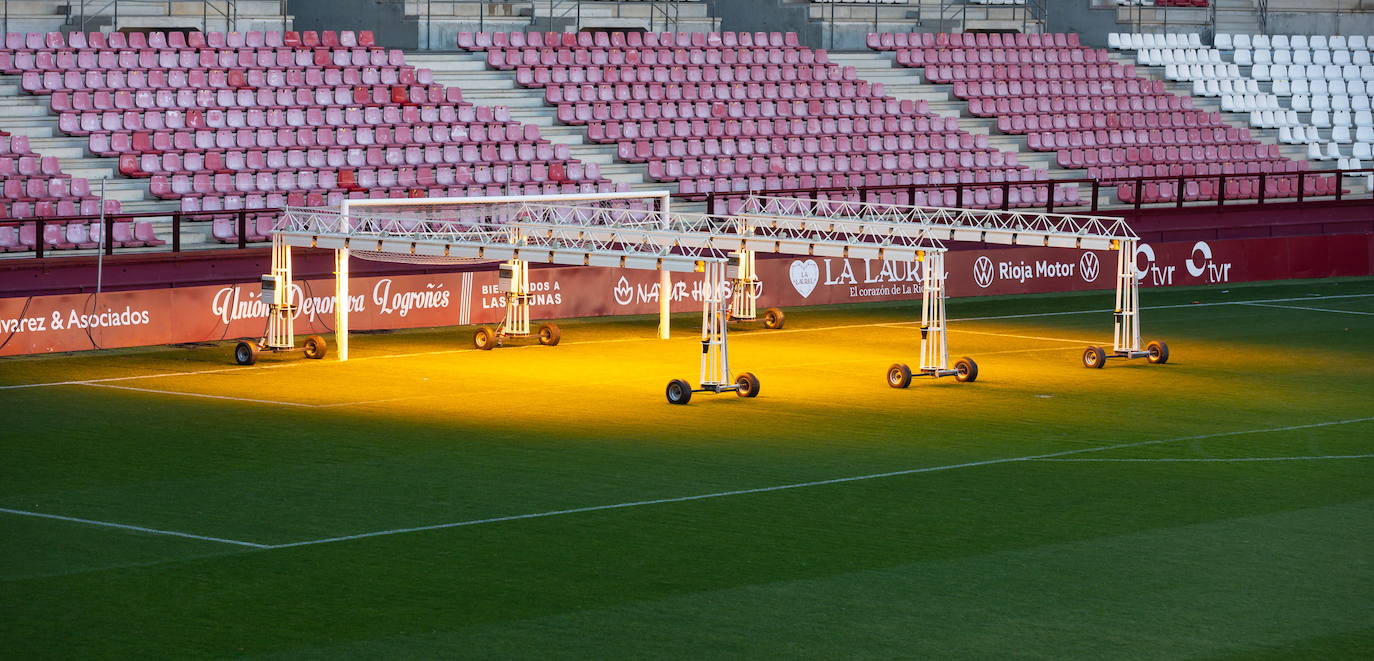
(434, 217)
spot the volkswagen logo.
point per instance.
(1089, 267)
(982, 271)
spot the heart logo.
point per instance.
(805, 275)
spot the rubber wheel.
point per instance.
(1158, 353)
(773, 318)
(1094, 358)
(246, 352)
(549, 335)
(898, 376)
(315, 347)
(679, 392)
(484, 339)
(748, 385)
(965, 370)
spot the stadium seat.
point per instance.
(178, 107)
(1104, 118)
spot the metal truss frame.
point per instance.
(1022, 228)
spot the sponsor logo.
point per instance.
(983, 271)
(1200, 264)
(804, 276)
(622, 291)
(986, 271)
(433, 297)
(1089, 267)
(1151, 274)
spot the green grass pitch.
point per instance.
(426, 500)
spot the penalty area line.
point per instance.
(197, 394)
(1301, 307)
(125, 526)
(1162, 460)
(803, 485)
(680, 499)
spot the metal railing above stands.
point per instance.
(85, 15)
(663, 14)
(719, 203)
(829, 19)
(1266, 185)
(430, 11)
(954, 14)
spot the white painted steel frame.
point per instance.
(715, 350)
(1023, 228)
(517, 293)
(280, 329)
(744, 286)
(549, 229)
(1026, 228)
(518, 315)
(1126, 336)
(934, 342)
(519, 240)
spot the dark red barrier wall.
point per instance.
(414, 298)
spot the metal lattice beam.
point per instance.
(689, 233)
(496, 235)
(977, 225)
(585, 235)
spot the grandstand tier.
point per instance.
(209, 124)
(1078, 92)
(260, 120)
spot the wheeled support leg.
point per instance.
(514, 280)
(715, 349)
(1126, 333)
(934, 344)
(742, 273)
(281, 311)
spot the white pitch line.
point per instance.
(802, 485)
(980, 354)
(680, 499)
(1166, 307)
(196, 394)
(146, 376)
(1216, 459)
(124, 526)
(1300, 307)
(374, 401)
(1023, 337)
(769, 334)
(906, 324)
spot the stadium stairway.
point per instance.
(1237, 119)
(674, 159)
(29, 115)
(1270, 154)
(483, 86)
(1231, 16)
(905, 83)
(1241, 120)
